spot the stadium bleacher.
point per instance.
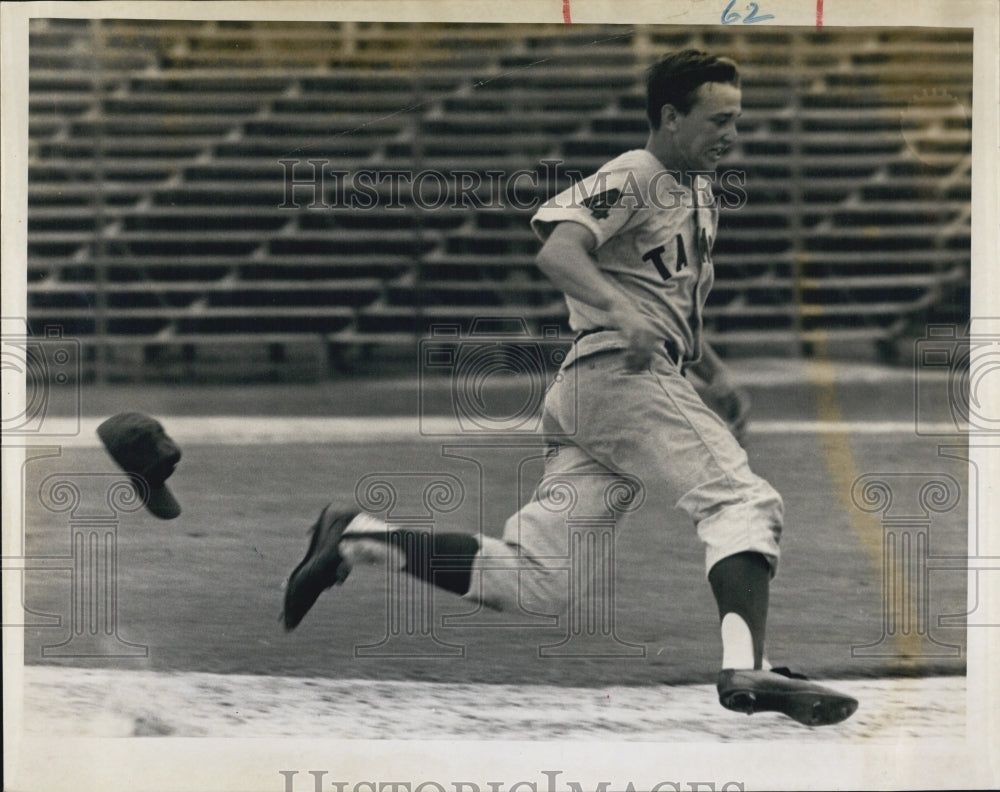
(162, 217)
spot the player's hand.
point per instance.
(642, 337)
(731, 404)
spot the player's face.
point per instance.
(702, 136)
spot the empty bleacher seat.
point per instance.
(159, 183)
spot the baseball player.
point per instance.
(630, 247)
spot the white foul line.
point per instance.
(268, 430)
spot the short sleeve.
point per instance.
(604, 202)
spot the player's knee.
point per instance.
(766, 500)
(766, 513)
(532, 590)
(545, 592)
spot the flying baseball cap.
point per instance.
(141, 448)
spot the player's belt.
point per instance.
(668, 344)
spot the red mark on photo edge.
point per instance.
(566, 18)
(819, 14)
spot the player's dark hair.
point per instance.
(675, 79)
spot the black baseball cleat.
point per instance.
(322, 567)
(780, 690)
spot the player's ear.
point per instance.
(668, 116)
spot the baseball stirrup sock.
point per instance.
(741, 586)
(444, 560)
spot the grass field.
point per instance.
(204, 591)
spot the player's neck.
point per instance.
(668, 160)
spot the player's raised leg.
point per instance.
(502, 574)
(343, 539)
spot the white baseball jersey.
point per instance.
(654, 239)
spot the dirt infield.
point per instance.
(64, 702)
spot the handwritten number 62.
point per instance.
(729, 16)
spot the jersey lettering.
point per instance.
(654, 256)
(705, 247)
(600, 205)
(682, 259)
(658, 252)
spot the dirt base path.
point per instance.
(95, 702)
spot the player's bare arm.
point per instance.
(566, 259)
